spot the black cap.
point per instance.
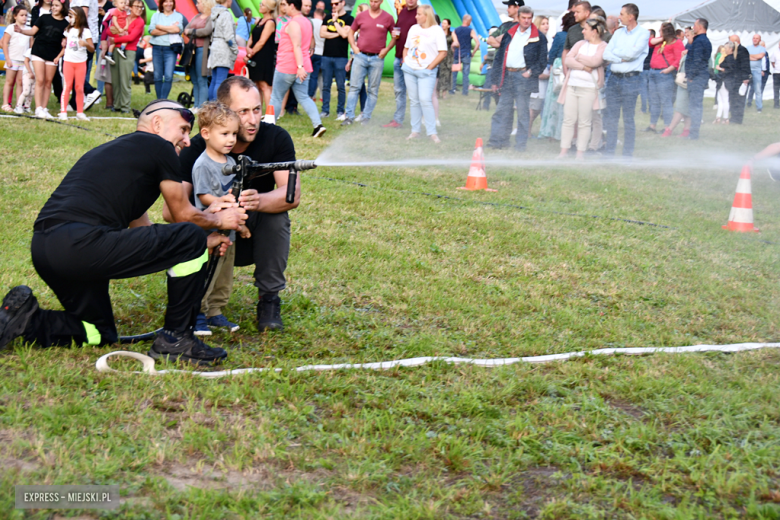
(516, 3)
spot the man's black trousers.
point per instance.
(78, 260)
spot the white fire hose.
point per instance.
(148, 363)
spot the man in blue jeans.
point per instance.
(372, 27)
(520, 59)
(465, 34)
(335, 55)
(757, 53)
(697, 74)
(626, 51)
(406, 19)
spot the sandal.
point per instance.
(8, 108)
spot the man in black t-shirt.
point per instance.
(264, 199)
(335, 56)
(94, 228)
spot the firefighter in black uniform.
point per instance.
(94, 228)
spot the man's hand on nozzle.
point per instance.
(218, 240)
(231, 218)
(249, 200)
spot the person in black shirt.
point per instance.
(264, 199)
(335, 55)
(94, 228)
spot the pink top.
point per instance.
(285, 58)
(664, 52)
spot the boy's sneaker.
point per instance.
(221, 321)
(18, 307)
(392, 124)
(63, 116)
(318, 131)
(82, 117)
(119, 51)
(341, 117)
(269, 313)
(201, 326)
(348, 122)
(110, 59)
(323, 115)
(185, 347)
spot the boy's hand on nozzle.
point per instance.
(218, 240)
(244, 232)
(229, 198)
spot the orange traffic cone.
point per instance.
(477, 180)
(741, 216)
(269, 116)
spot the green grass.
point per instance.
(385, 272)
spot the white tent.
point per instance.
(741, 17)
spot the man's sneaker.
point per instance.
(81, 116)
(110, 59)
(392, 124)
(91, 99)
(323, 115)
(201, 326)
(359, 118)
(221, 321)
(185, 348)
(63, 116)
(121, 52)
(348, 122)
(18, 307)
(318, 131)
(269, 314)
(341, 117)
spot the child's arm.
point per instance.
(207, 199)
(28, 66)
(4, 43)
(32, 31)
(62, 52)
(88, 44)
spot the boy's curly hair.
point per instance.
(216, 113)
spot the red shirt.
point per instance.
(373, 31)
(672, 52)
(406, 18)
(134, 33)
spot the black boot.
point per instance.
(19, 305)
(269, 313)
(186, 347)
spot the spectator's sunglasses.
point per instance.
(185, 114)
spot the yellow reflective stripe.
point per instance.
(93, 336)
(190, 267)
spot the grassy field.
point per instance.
(382, 267)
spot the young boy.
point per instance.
(118, 27)
(219, 128)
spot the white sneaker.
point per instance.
(359, 118)
(27, 110)
(71, 109)
(46, 114)
(19, 110)
(91, 99)
(341, 117)
(514, 132)
(63, 116)
(81, 117)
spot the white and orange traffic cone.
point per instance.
(477, 179)
(741, 216)
(269, 116)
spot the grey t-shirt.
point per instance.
(207, 178)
